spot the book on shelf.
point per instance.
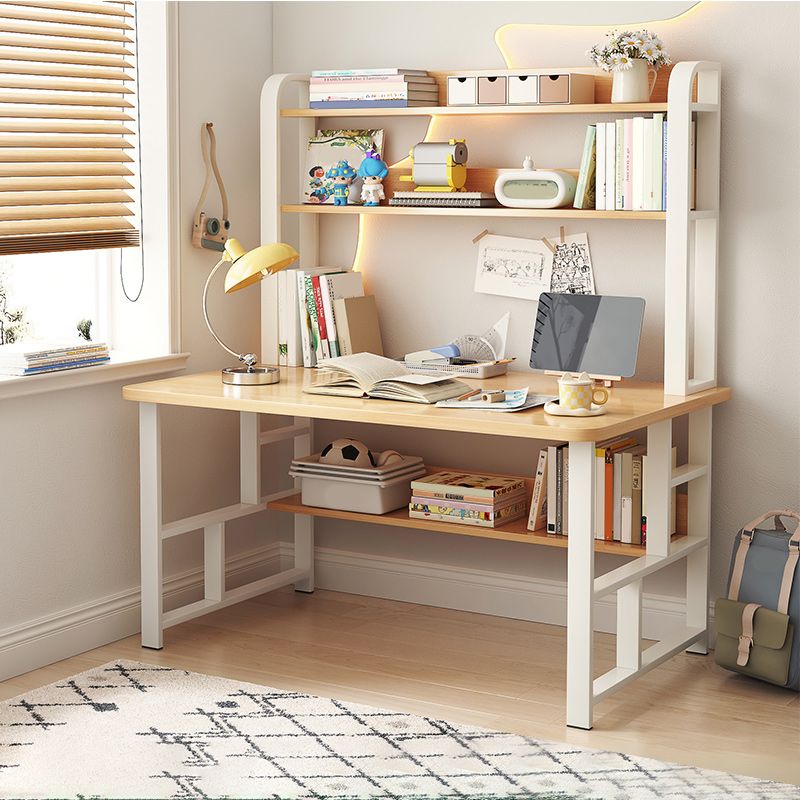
(340, 73)
(631, 165)
(367, 375)
(420, 508)
(358, 330)
(353, 104)
(624, 524)
(467, 487)
(585, 189)
(600, 169)
(604, 483)
(368, 89)
(537, 517)
(297, 333)
(34, 358)
(363, 79)
(445, 199)
(611, 169)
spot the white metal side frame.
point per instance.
(583, 589)
(692, 237)
(212, 523)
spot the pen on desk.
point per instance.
(468, 395)
(505, 360)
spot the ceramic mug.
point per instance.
(634, 85)
(576, 392)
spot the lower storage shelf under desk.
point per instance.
(515, 531)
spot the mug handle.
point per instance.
(604, 393)
(652, 74)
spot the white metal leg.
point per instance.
(699, 524)
(629, 626)
(580, 585)
(658, 486)
(214, 561)
(304, 525)
(150, 535)
(249, 457)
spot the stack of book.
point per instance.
(624, 165)
(30, 358)
(372, 88)
(322, 314)
(620, 512)
(468, 499)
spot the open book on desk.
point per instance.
(368, 375)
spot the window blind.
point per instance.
(68, 119)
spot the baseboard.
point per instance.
(476, 590)
(80, 628)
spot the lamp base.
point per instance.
(255, 376)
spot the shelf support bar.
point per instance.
(304, 524)
(657, 487)
(580, 585)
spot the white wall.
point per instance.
(69, 539)
(419, 267)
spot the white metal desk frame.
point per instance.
(583, 692)
(685, 272)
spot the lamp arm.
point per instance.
(249, 359)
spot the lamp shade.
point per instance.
(250, 267)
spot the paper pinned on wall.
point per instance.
(513, 267)
(572, 266)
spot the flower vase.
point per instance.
(634, 85)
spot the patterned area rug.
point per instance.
(131, 730)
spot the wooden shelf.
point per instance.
(515, 531)
(552, 213)
(479, 111)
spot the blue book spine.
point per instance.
(664, 168)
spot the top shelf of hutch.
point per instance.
(482, 111)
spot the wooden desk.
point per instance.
(633, 406)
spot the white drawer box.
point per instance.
(523, 90)
(462, 91)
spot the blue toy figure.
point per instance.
(373, 170)
(343, 175)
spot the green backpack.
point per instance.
(756, 623)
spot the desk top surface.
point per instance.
(631, 405)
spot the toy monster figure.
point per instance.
(343, 175)
(372, 170)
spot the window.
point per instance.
(70, 182)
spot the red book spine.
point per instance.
(323, 330)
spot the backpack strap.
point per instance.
(746, 639)
(745, 540)
(789, 572)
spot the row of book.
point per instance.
(624, 165)
(487, 501)
(31, 358)
(372, 88)
(620, 512)
(323, 313)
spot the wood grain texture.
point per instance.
(504, 674)
(631, 406)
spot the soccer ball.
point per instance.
(347, 453)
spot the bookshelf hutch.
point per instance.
(689, 91)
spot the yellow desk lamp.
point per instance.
(248, 268)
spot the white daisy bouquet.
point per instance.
(622, 47)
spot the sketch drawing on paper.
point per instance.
(572, 266)
(513, 267)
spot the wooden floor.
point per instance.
(503, 674)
